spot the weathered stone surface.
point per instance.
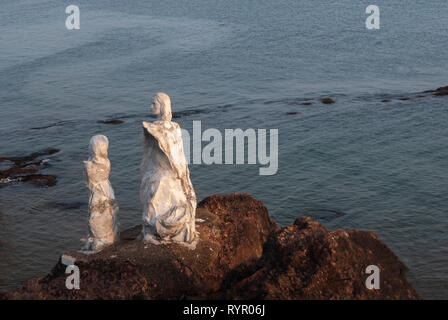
(306, 261)
(103, 207)
(442, 91)
(166, 193)
(241, 254)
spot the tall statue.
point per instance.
(166, 193)
(103, 209)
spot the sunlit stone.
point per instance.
(103, 209)
(166, 193)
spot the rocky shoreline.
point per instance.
(242, 254)
(26, 169)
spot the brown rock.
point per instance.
(327, 101)
(123, 280)
(115, 121)
(306, 261)
(442, 91)
(20, 161)
(241, 254)
(26, 171)
(4, 174)
(185, 113)
(242, 228)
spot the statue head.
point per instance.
(162, 106)
(98, 147)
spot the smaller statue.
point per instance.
(103, 209)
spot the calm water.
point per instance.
(244, 64)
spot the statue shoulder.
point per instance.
(87, 164)
(147, 124)
(175, 125)
(160, 124)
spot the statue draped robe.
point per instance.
(166, 193)
(103, 209)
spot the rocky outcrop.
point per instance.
(306, 261)
(442, 91)
(327, 101)
(242, 254)
(26, 169)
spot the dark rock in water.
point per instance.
(26, 171)
(19, 161)
(404, 99)
(306, 261)
(442, 91)
(327, 101)
(40, 180)
(326, 214)
(116, 121)
(385, 100)
(16, 171)
(291, 113)
(56, 124)
(307, 103)
(242, 254)
(185, 113)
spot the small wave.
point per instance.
(9, 180)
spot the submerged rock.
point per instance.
(242, 254)
(185, 113)
(114, 121)
(41, 180)
(442, 91)
(327, 101)
(20, 161)
(24, 170)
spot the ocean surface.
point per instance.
(238, 64)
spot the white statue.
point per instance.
(167, 195)
(103, 209)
